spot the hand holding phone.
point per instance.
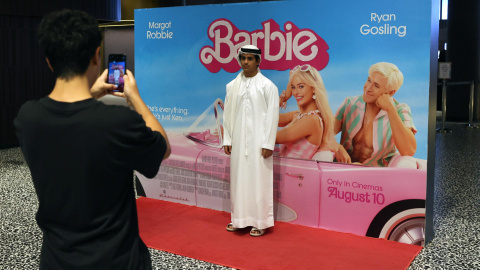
(117, 66)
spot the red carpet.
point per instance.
(200, 233)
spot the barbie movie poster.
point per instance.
(359, 70)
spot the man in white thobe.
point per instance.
(250, 127)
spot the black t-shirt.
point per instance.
(81, 157)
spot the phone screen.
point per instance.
(117, 65)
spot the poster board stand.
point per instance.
(444, 72)
(470, 124)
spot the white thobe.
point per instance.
(250, 124)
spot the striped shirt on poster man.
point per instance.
(351, 114)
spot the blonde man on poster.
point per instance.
(375, 125)
(250, 127)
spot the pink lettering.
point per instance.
(348, 196)
(281, 50)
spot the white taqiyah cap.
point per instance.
(248, 49)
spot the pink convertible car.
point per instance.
(378, 202)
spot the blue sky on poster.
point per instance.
(170, 74)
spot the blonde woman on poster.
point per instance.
(308, 132)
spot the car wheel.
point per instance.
(402, 221)
(411, 231)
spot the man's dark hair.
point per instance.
(69, 39)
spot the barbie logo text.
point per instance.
(281, 50)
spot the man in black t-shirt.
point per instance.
(82, 153)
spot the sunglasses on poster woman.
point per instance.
(304, 68)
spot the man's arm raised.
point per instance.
(133, 98)
(403, 137)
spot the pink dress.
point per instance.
(300, 148)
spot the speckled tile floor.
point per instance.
(456, 220)
(456, 244)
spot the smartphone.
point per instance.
(117, 66)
